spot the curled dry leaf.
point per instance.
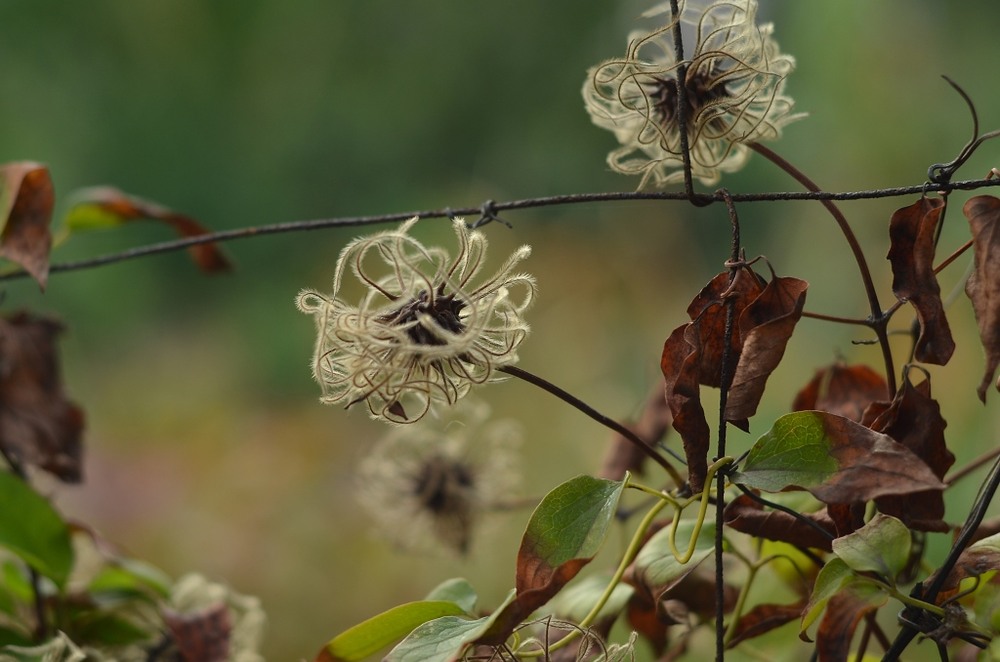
(679, 362)
(842, 390)
(765, 327)
(38, 425)
(843, 613)
(912, 232)
(623, 455)
(26, 201)
(837, 460)
(692, 356)
(914, 419)
(762, 619)
(106, 206)
(748, 516)
(983, 286)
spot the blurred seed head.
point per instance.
(426, 486)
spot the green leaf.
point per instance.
(565, 532)
(444, 639)
(574, 602)
(832, 577)
(109, 629)
(439, 640)
(882, 545)
(457, 590)
(32, 529)
(657, 567)
(795, 451)
(568, 525)
(376, 633)
(13, 637)
(836, 459)
(130, 578)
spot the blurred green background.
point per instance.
(207, 449)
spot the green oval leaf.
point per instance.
(32, 529)
(836, 459)
(575, 601)
(457, 590)
(444, 639)
(567, 528)
(657, 567)
(832, 577)
(565, 532)
(379, 631)
(882, 545)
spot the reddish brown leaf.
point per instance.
(912, 232)
(870, 465)
(124, 208)
(914, 420)
(846, 517)
(983, 286)
(38, 425)
(26, 201)
(653, 610)
(746, 515)
(623, 455)
(707, 311)
(762, 619)
(679, 363)
(765, 327)
(692, 356)
(842, 390)
(644, 619)
(843, 613)
(202, 636)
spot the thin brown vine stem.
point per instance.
(958, 252)
(971, 467)
(606, 421)
(833, 318)
(878, 320)
(526, 203)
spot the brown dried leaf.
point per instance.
(38, 425)
(747, 516)
(26, 201)
(762, 619)
(843, 613)
(912, 232)
(914, 420)
(765, 327)
(870, 465)
(983, 286)
(202, 636)
(692, 356)
(114, 207)
(623, 455)
(709, 314)
(842, 390)
(679, 362)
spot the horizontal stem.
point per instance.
(527, 203)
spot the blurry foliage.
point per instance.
(242, 112)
